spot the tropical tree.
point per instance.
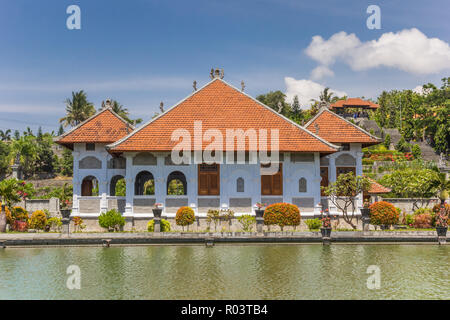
(26, 148)
(13, 191)
(4, 161)
(442, 187)
(276, 100)
(121, 111)
(5, 135)
(343, 193)
(78, 109)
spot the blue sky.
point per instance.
(142, 52)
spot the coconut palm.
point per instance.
(326, 95)
(442, 186)
(118, 108)
(78, 109)
(5, 135)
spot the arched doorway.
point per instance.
(144, 184)
(89, 186)
(117, 186)
(176, 183)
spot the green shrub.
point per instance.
(422, 211)
(38, 220)
(19, 213)
(213, 216)
(402, 145)
(54, 223)
(313, 224)
(165, 226)
(185, 217)
(415, 150)
(247, 222)
(282, 214)
(383, 213)
(111, 220)
(387, 141)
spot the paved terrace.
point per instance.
(150, 238)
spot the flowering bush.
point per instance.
(260, 205)
(38, 220)
(423, 221)
(185, 217)
(54, 223)
(165, 226)
(326, 220)
(282, 214)
(441, 217)
(78, 223)
(383, 213)
(9, 218)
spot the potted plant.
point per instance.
(442, 222)
(365, 211)
(259, 211)
(65, 208)
(326, 224)
(157, 210)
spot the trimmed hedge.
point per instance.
(383, 213)
(282, 214)
(111, 219)
(165, 226)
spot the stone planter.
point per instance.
(65, 213)
(441, 231)
(157, 212)
(326, 232)
(365, 213)
(259, 213)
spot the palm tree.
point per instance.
(5, 135)
(325, 96)
(78, 109)
(118, 108)
(442, 186)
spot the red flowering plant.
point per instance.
(66, 204)
(383, 213)
(326, 219)
(260, 205)
(442, 215)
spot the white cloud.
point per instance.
(320, 72)
(306, 90)
(409, 50)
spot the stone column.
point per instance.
(129, 179)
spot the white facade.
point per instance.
(97, 163)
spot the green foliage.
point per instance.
(282, 214)
(420, 211)
(387, 141)
(121, 188)
(411, 183)
(272, 99)
(13, 190)
(65, 164)
(4, 160)
(54, 223)
(19, 214)
(247, 221)
(78, 109)
(402, 145)
(383, 213)
(185, 216)
(111, 220)
(415, 150)
(165, 226)
(313, 224)
(38, 220)
(213, 216)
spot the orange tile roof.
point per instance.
(354, 102)
(104, 127)
(375, 187)
(220, 106)
(336, 129)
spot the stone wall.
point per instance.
(52, 205)
(406, 204)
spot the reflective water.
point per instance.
(308, 271)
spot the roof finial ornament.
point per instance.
(194, 85)
(161, 107)
(216, 73)
(242, 85)
(280, 106)
(106, 104)
(316, 126)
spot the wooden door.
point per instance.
(272, 184)
(208, 179)
(324, 182)
(86, 188)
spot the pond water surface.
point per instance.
(305, 271)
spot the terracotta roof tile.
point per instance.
(375, 187)
(354, 102)
(336, 129)
(220, 106)
(104, 127)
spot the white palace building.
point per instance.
(218, 120)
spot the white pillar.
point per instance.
(129, 180)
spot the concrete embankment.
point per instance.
(128, 238)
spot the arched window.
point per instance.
(117, 187)
(90, 163)
(240, 185)
(144, 184)
(176, 183)
(89, 186)
(302, 185)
